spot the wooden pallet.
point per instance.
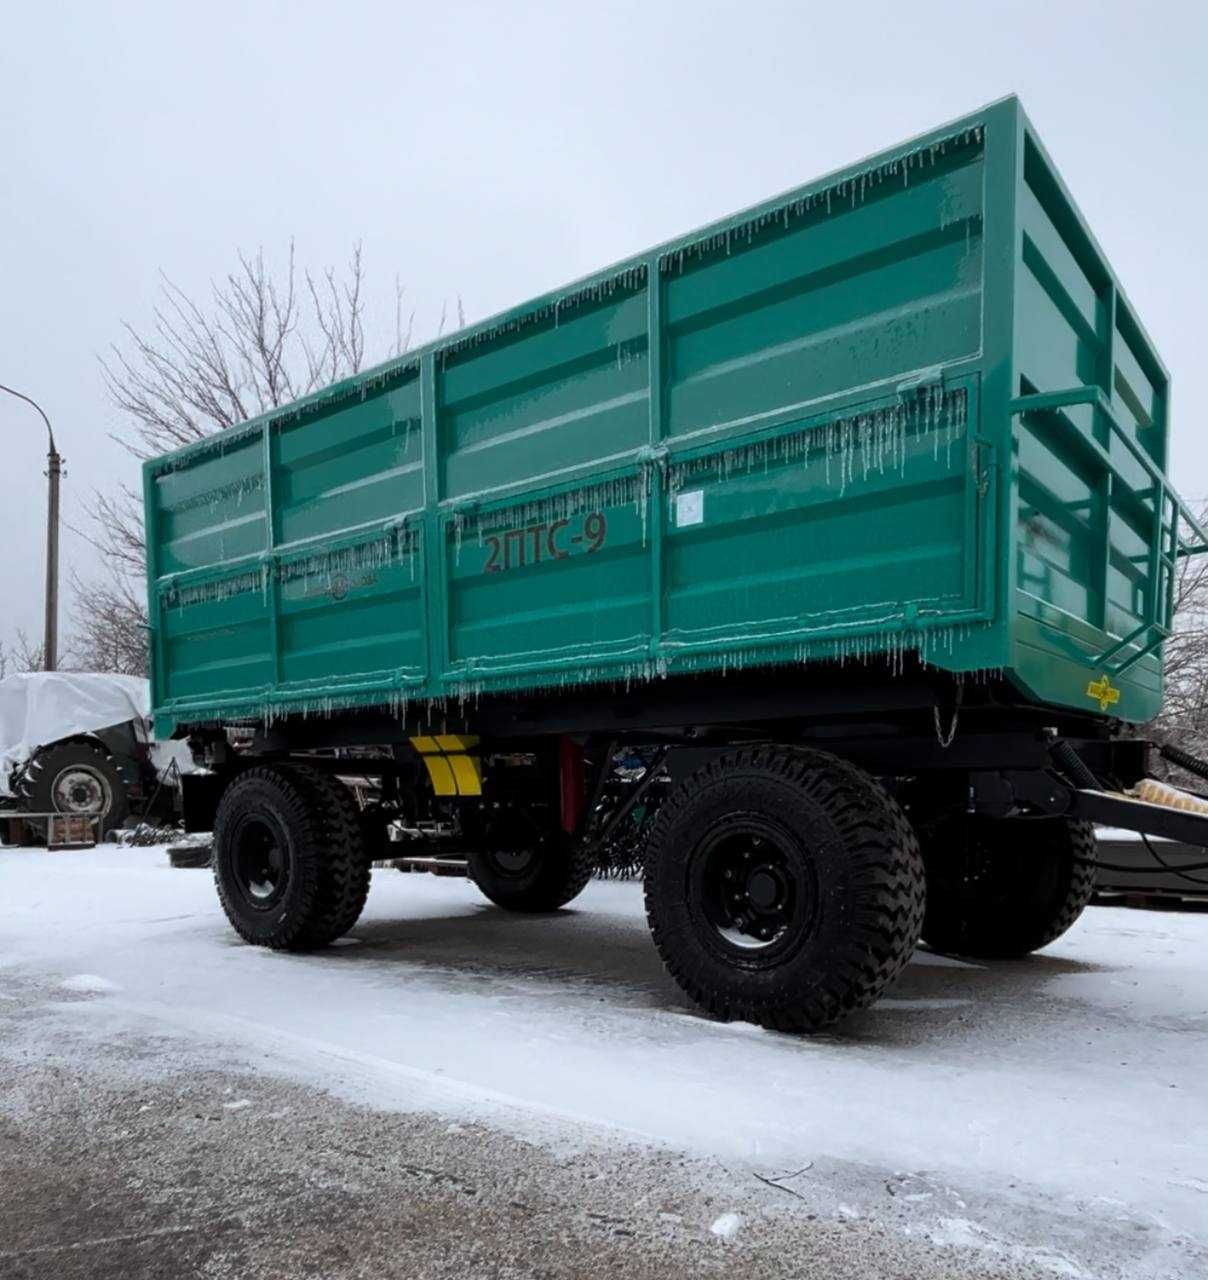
(55, 830)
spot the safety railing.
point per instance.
(1166, 544)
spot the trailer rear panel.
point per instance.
(829, 427)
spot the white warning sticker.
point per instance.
(689, 508)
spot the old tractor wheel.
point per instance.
(1001, 888)
(783, 887)
(79, 778)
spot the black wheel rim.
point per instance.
(512, 863)
(754, 889)
(260, 863)
(1006, 870)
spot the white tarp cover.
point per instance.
(44, 706)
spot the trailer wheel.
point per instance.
(1000, 888)
(783, 887)
(520, 866)
(289, 861)
(346, 878)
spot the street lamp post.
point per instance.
(54, 472)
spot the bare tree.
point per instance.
(262, 339)
(1184, 718)
(109, 626)
(22, 655)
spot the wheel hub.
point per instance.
(765, 888)
(753, 890)
(260, 864)
(80, 790)
(513, 861)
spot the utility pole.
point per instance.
(50, 642)
(54, 472)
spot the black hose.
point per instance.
(1145, 871)
(1185, 760)
(1178, 871)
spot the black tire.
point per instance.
(1000, 888)
(846, 905)
(346, 880)
(289, 861)
(524, 868)
(191, 856)
(75, 777)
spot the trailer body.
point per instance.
(809, 563)
(903, 409)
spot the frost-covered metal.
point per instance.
(903, 410)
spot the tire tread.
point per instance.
(885, 920)
(566, 869)
(966, 927)
(26, 787)
(331, 868)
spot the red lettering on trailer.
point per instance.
(530, 544)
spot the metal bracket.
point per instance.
(653, 455)
(984, 464)
(933, 376)
(461, 509)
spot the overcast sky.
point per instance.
(496, 150)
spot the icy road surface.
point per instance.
(1049, 1116)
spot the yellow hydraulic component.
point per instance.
(452, 770)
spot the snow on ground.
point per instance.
(1073, 1084)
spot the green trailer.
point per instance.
(809, 554)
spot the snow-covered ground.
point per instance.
(1043, 1108)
